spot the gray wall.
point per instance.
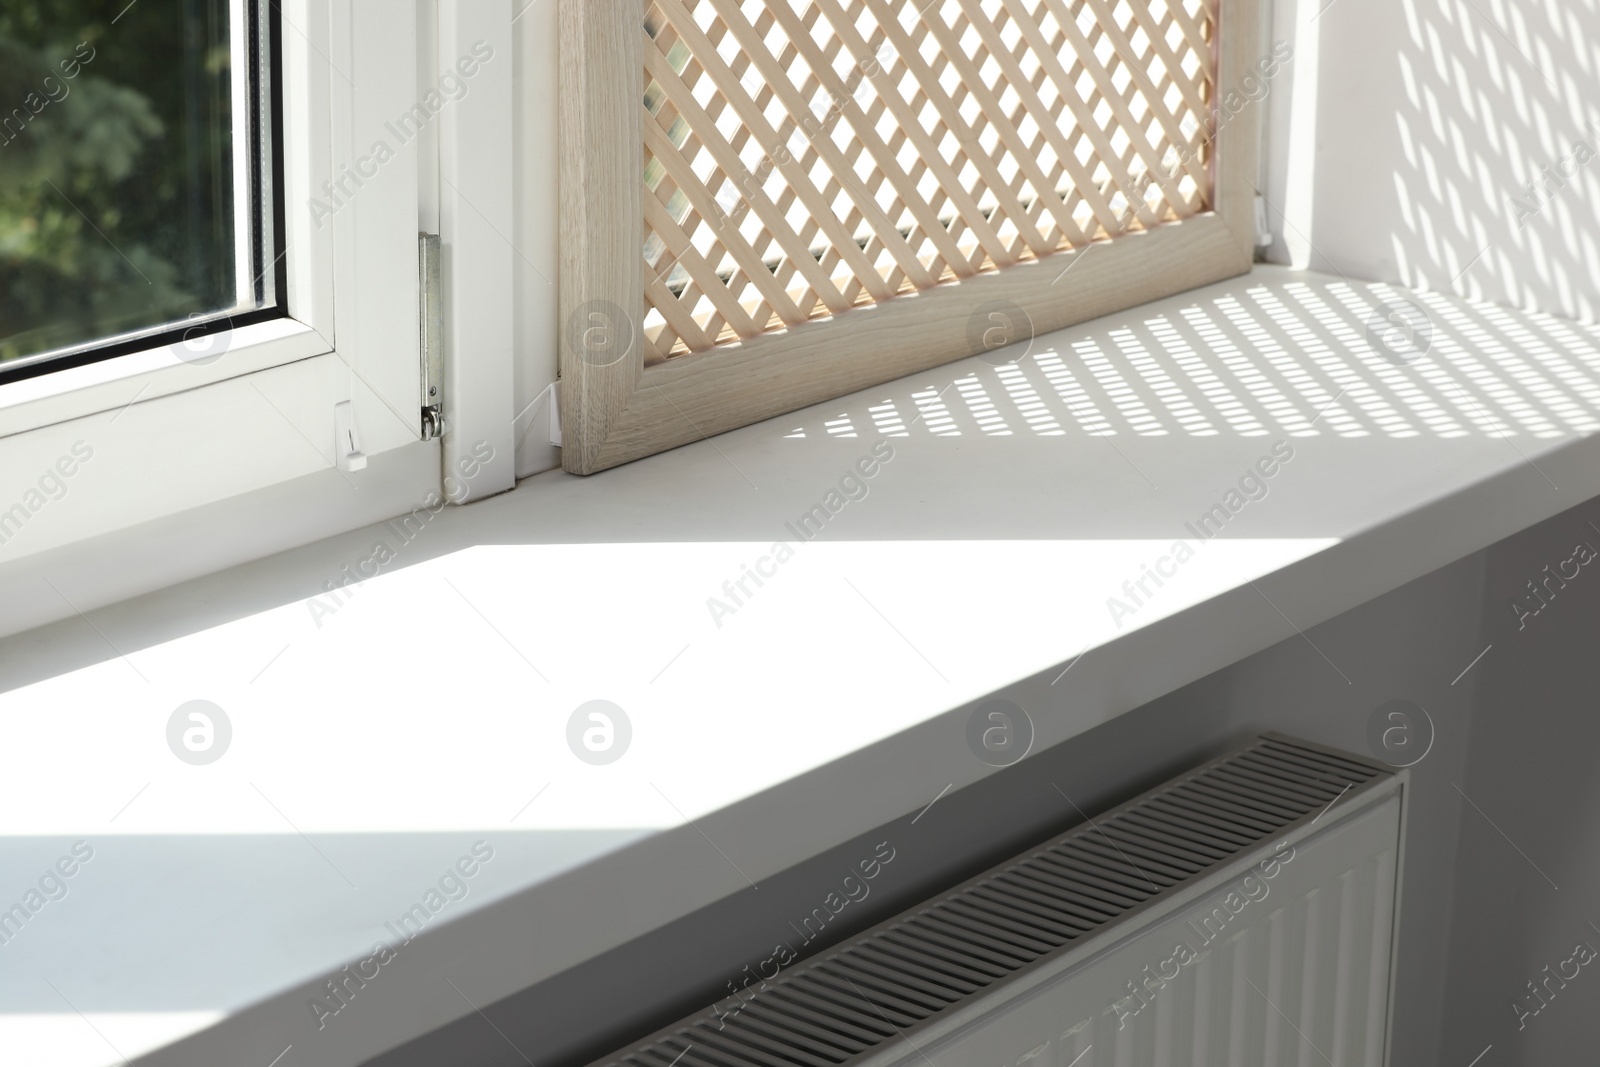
(1407, 645)
(1529, 868)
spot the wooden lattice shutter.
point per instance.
(839, 192)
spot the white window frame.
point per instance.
(169, 435)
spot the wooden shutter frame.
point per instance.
(615, 410)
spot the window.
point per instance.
(210, 274)
(836, 195)
(138, 193)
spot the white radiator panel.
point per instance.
(1315, 948)
(1241, 915)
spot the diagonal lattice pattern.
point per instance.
(803, 157)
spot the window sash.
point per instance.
(350, 333)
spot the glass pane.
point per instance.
(128, 160)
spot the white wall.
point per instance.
(1411, 124)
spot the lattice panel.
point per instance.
(804, 157)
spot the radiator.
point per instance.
(1240, 914)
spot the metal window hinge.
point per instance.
(430, 341)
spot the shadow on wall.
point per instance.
(1521, 974)
(1451, 145)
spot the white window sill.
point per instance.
(373, 743)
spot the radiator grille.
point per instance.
(836, 1007)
